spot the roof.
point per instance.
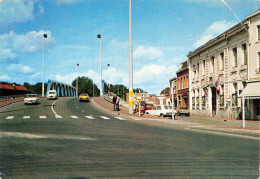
(22, 88)
(7, 86)
(253, 14)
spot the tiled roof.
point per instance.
(22, 88)
(6, 86)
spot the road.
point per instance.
(84, 141)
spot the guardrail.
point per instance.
(109, 97)
(11, 97)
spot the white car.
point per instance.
(31, 99)
(52, 94)
(161, 110)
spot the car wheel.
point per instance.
(161, 115)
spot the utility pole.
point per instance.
(130, 61)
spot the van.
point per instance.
(52, 94)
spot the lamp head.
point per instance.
(99, 36)
(45, 35)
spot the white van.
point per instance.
(52, 94)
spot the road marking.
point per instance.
(9, 117)
(89, 117)
(42, 117)
(74, 117)
(26, 117)
(120, 118)
(53, 109)
(104, 117)
(58, 116)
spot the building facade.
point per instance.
(222, 68)
(183, 85)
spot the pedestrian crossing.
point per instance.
(71, 117)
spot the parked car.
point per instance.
(161, 110)
(52, 94)
(31, 99)
(83, 97)
(183, 111)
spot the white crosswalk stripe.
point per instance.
(89, 117)
(104, 117)
(120, 118)
(26, 117)
(58, 117)
(74, 117)
(42, 117)
(9, 117)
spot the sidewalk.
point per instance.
(11, 101)
(209, 123)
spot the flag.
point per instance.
(217, 87)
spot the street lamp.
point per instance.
(77, 85)
(101, 92)
(130, 61)
(44, 37)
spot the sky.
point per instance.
(164, 32)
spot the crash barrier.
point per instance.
(11, 97)
(109, 97)
(62, 89)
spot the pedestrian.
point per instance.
(114, 103)
(117, 102)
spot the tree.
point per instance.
(85, 85)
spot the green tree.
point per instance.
(86, 86)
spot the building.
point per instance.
(9, 89)
(183, 85)
(173, 91)
(225, 66)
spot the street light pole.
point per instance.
(101, 91)
(130, 60)
(77, 84)
(44, 37)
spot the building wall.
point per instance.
(183, 88)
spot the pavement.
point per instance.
(194, 122)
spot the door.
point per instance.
(214, 102)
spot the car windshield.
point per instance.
(84, 95)
(52, 92)
(31, 95)
(183, 108)
(168, 107)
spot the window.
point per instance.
(212, 65)
(234, 95)
(204, 67)
(258, 61)
(222, 104)
(235, 56)
(245, 54)
(194, 71)
(258, 27)
(198, 69)
(222, 61)
(198, 100)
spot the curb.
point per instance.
(10, 103)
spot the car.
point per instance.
(83, 97)
(161, 110)
(31, 99)
(183, 111)
(52, 94)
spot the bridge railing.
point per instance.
(109, 97)
(12, 97)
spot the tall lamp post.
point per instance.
(44, 37)
(101, 91)
(77, 84)
(130, 61)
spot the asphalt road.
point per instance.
(99, 145)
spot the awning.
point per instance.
(252, 91)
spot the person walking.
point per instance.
(117, 102)
(114, 103)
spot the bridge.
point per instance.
(63, 89)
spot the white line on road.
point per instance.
(104, 117)
(26, 117)
(42, 117)
(53, 109)
(120, 118)
(74, 117)
(9, 117)
(89, 117)
(58, 116)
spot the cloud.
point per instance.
(80, 47)
(40, 9)
(12, 44)
(213, 31)
(67, 1)
(147, 53)
(4, 78)
(16, 11)
(20, 68)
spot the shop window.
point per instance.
(234, 95)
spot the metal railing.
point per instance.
(11, 97)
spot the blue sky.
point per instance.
(164, 31)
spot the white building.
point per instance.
(222, 67)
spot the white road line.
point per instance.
(42, 117)
(74, 117)
(9, 117)
(120, 118)
(104, 117)
(89, 117)
(26, 117)
(53, 109)
(58, 116)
